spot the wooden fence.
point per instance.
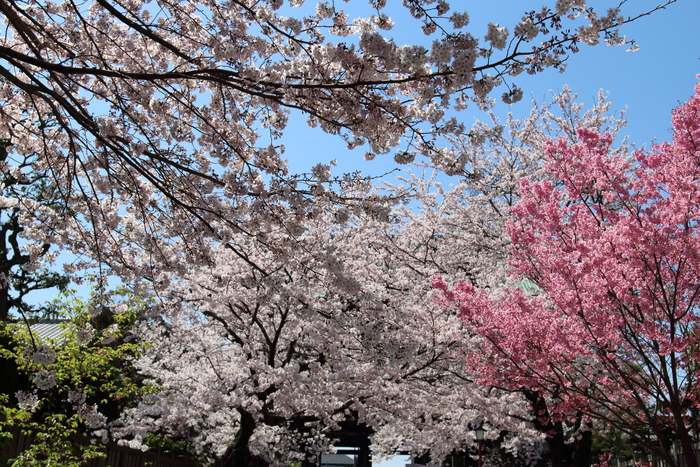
(654, 461)
(117, 456)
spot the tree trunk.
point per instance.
(686, 444)
(238, 454)
(577, 453)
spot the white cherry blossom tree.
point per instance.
(187, 99)
(263, 351)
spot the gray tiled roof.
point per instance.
(529, 287)
(49, 329)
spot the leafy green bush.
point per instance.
(68, 390)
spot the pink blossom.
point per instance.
(612, 247)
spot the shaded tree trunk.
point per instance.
(238, 454)
(577, 453)
(686, 442)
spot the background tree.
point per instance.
(612, 247)
(463, 229)
(28, 198)
(28, 202)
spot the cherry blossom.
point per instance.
(610, 333)
(264, 349)
(123, 100)
(283, 304)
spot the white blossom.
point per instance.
(526, 29)
(92, 416)
(85, 334)
(110, 334)
(27, 400)
(44, 355)
(497, 36)
(44, 379)
(459, 19)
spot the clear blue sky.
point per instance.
(649, 82)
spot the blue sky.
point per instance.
(649, 82)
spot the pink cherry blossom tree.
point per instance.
(611, 333)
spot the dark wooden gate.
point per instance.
(352, 439)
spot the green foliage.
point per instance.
(53, 439)
(614, 442)
(92, 380)
(102, 366)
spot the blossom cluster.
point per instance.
(44, 379)
(43, 355)
(27, 400)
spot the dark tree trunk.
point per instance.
(686, 443)
(577, 453)
(238, 454)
